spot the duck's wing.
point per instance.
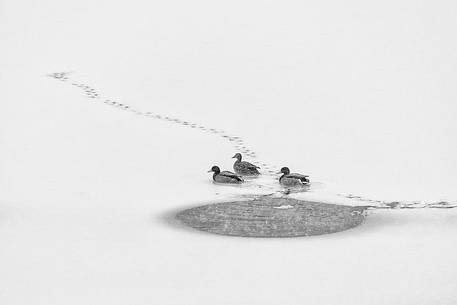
(303, 178)
(227, 173)
(231, 175)
(248, 166)
(295, 175)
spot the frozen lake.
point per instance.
(360, 96)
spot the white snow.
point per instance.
(359, 95)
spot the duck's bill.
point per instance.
(279, 173)
(209, 171)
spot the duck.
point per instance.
(225, 176)
(244, 168)
(293, 179)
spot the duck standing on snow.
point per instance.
(225, 176)
(289, 179)
(244, 168)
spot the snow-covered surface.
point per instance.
(359, 95)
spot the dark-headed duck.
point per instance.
(292, 179)
(225, 176)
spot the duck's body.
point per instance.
(292, 179)
(225, 176)
(244, 168)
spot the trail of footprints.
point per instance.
(239, 145)
(236, 141)
(380, 204)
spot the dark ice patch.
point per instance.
(272, 217)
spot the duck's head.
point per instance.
(238, 156)
(215, 169)
(285, 171)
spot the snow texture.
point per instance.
(359, 95)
